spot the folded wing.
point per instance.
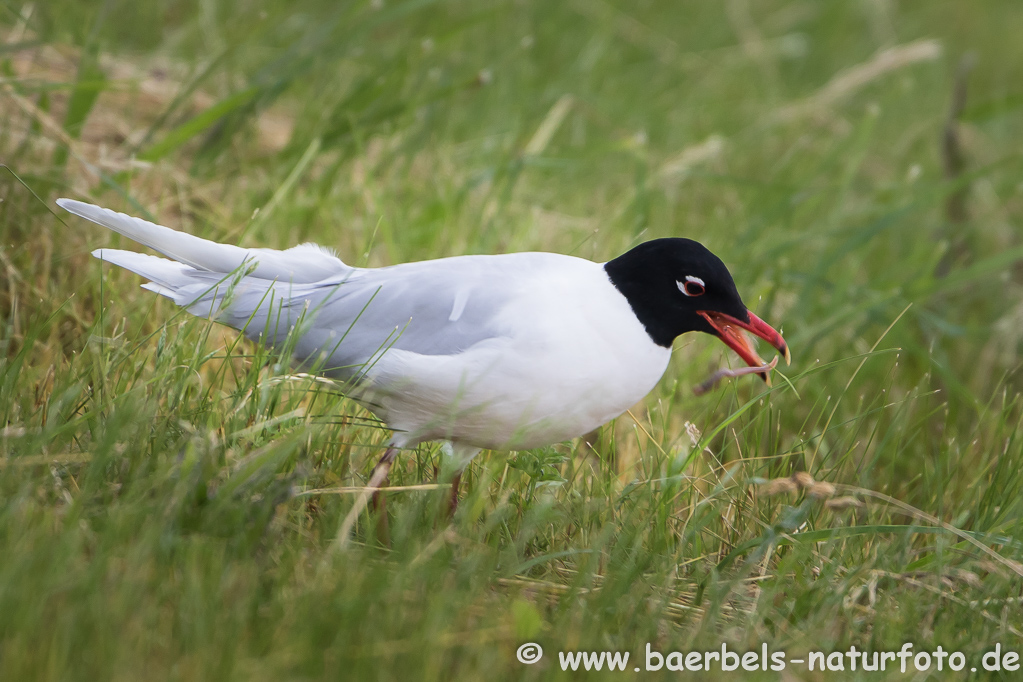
(340, 319)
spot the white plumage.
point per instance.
(505, 352)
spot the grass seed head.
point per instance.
(779, 486)
(803, 479)
(821, 490)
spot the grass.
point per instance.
(170, 498)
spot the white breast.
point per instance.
(572, 357)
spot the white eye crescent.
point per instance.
(693, 286)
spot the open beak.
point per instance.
(732, 333)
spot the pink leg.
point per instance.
(453, 499)
(378, 479)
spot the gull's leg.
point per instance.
(378, 477)
(458, 458)
(452, 505)
(377, 480)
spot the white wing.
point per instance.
(344, 318)
(347, 322)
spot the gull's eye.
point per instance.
(692, 286)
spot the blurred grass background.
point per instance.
(169, 499)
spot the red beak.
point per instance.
(731, 332)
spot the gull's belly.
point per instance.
(508, 400)
(577, 362)
(566, 395)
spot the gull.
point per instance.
(502, 352)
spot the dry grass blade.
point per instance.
(550, 124)
(854, 78)
(348, 490)
(36, 460)
(375, 484)
(924, 516)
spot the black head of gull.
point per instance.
(677, 285)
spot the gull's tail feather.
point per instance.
(274, 297)
(166, 277)
(263, 292)
(305, 263)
